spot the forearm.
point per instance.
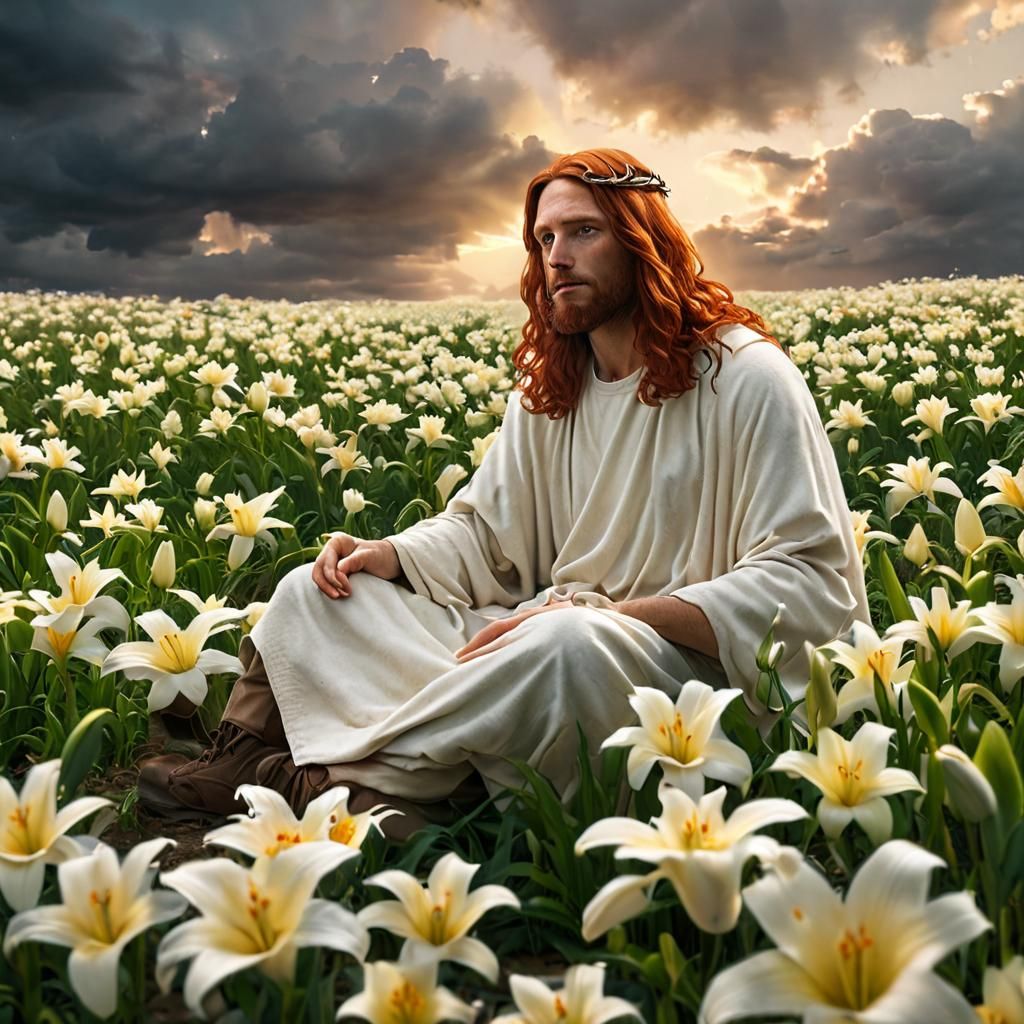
(676, 620)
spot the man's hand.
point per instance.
(480, 644)
(344, 555)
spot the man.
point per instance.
(661, 484)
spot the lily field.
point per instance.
(163, 464)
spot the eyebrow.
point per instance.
(572, 220)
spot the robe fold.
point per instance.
(727, 497)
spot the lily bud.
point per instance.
(970, 793)
(203, 484)
(903, 393)
(969, 531)
(916, 549)
(57, 512)
(205, 513)
(353, 500)
(257, 397)
(450, 476)
(164, 567)
(853, 446)
(821, 701)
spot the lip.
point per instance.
(568, 287)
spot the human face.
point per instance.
(589, 273)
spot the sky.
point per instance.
(381, 148)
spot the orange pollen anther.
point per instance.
(406, 1002)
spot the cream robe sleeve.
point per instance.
(492, 544)
(788, 525)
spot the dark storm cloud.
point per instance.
(903, 197)
(766, 170)
(749, 63)
(364, 171)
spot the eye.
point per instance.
(586, 227)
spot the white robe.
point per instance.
(728, 498)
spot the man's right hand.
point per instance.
(344, 555)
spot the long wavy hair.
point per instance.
(677, 309)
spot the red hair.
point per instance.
(677, 309)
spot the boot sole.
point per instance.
(157, 802)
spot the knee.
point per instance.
(296, 584)
(579, 635)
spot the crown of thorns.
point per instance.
(631, 178)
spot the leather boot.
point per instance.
(173, 786)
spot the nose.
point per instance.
(558, 254)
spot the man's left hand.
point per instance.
(485, 641)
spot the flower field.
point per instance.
(163, 464)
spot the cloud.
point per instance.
(760, 172)
(904, 196)
(681, 65)
(195, 136)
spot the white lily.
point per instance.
(16, 457)
(79, 590)
(346, 458)
(104, 905)
(203, 604)
(430, 432)
(258, 917)
(866, 656)
(861, 533)
(72, 639)
(382, 414)
(125, 485)
(1004, 624)
(867, 960)
(1003, 994)
(147, 515)
(1009, 487)
(932, 412)
(853, 778)
(271, 825)
(10, 601)
(685, 738)
(918, 477)
(435, 920)
(990, 408)
(249, 521)
(107, 520)
(954, 628)
(404, 993)
(700, 852)
(174, 661)
(32, 832)
(581, 1000)
(849, 416)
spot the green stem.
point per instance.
(71, 698)
(28, 968)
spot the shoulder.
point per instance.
(754, 366)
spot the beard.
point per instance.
(569, 315)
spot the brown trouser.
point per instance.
(252, 706)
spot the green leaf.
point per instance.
(81, 752)
(994, 757)
(894, 592)
(929, 714)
